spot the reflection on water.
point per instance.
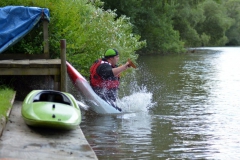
(186, 107)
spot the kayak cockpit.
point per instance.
(52, 96)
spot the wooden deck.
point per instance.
(20, 142)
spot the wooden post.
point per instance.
(45, 38)
(63, 66)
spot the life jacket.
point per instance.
(97, 81)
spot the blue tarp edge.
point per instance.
(17, 21)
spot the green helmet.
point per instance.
(111, 53)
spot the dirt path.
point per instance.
(19, 141)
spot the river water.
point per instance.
(175, 107)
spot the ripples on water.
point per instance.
(176, 107)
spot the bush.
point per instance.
(89, 31)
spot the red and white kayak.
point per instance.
(95, 103)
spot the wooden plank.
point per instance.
(38, 61)
(41, 63)
(21, 62)
(63, 66)
(54, 61)
(19, 141)
(45, 38)
(30, 71)
(23, 56)
(13, 63)
(9, 61)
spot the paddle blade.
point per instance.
(131, 64)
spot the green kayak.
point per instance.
(52, 109)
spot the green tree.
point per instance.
(216, 23)
(233, 11)
(187, 16)
(88, 30)
(168, 23)
(153, 21)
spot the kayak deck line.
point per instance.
(19, 141)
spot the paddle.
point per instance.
(132, 64)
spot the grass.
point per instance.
(6, 95)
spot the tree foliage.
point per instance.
(88, 29)
(152, 20)
(192, 23)
(233, 11)
(166, 26)
(216, 23)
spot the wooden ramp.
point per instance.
(20, 142)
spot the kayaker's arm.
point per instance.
(118, 70)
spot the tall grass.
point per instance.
(6, 95)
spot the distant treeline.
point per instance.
(90, 27)
(166, 25)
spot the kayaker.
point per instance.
(105, 76)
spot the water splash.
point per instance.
(140, 101)
(134, 92)
(82, 105)
(133, 98)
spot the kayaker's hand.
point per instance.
(127, 65)
(131, 64)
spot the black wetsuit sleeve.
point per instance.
(105, 71)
